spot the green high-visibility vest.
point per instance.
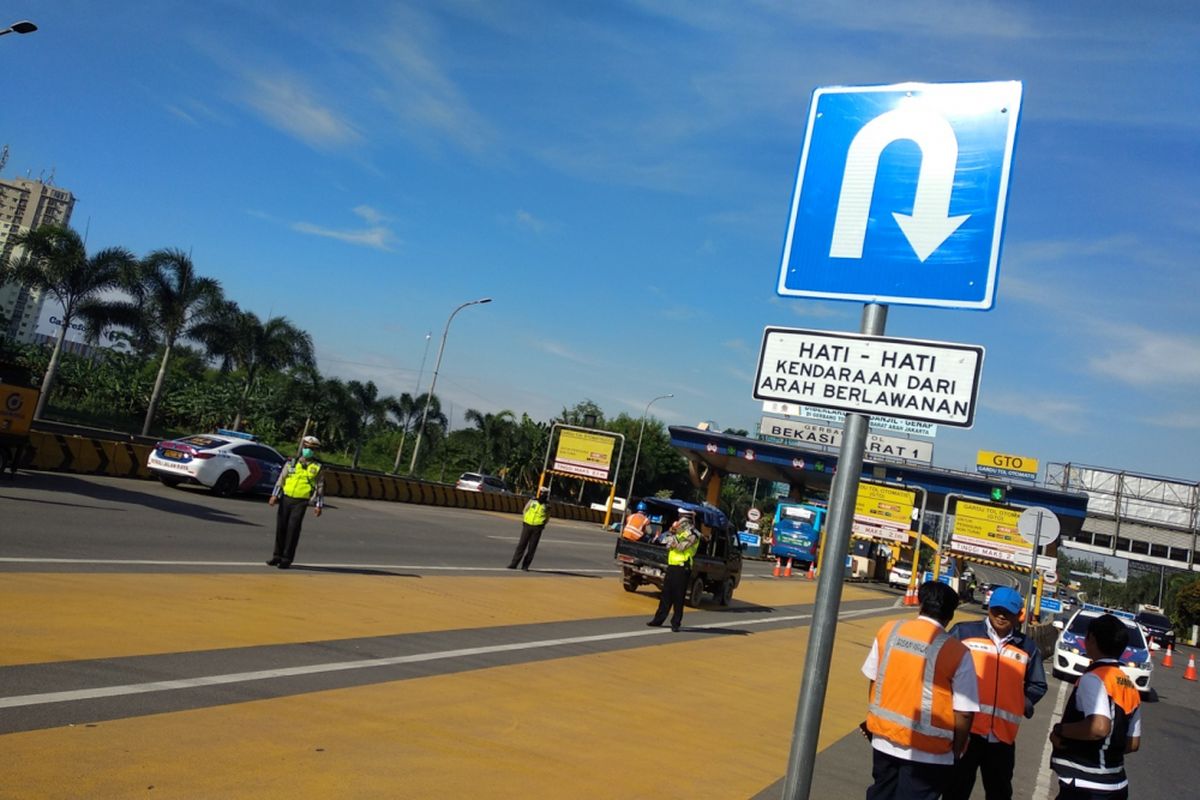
(678, 558)
(535, 513)
(302, 480)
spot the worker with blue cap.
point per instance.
(1012, 680)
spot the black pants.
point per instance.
(674, 590)
(1066, 792)
(897, 779)
(993, 760)
(530, 536)
(287, 526)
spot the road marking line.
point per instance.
(1041, 788)
(299, 566)
(45, 698)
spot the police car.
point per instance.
(1070, 658)
(226, 462)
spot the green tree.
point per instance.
(244, 342)
(370, 411)
(494, 432)
(170, 302)
(54, 260)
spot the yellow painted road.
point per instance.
(601, 725)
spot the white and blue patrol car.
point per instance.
(1070, 658)
(227, 462)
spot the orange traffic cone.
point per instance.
(811, 574)
(1167, 658)
(778, 566)
(1189, 674)
(787, 572)
(910, 597)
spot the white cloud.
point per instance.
(1143, 358)
(371, 215)
(527, 220)
(378, 237)
(1182, 420)
(1066, 416)
(285, 103)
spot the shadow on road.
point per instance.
(716, 631)
(354, 571)
(69, 484)
(567, 573)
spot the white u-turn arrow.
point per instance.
(930, 224)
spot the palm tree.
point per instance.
(406, 411)
(244, 342)
(495, 431)
(54, 261)
(370, 410)
(170, 302)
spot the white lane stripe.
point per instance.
(300, 567)
(1041, 789)
(288, 672)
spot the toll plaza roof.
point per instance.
(814, 469)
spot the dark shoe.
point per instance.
(512, 566)
(525, 568)
(284, 564)
(274, 562)
(653, 624)
(675, 629)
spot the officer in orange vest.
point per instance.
(1101, 722)
(922, 698)
(1012, 680)
(635, 525)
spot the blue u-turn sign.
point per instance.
(901, 193)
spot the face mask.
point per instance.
(307, 452)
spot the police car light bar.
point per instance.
(1116, 612)
(238, 434)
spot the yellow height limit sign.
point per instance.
(881, 512)
(989, 532)
(585, 454)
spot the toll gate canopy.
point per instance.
(813, 470)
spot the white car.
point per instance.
(900, 574)
(226, 462)
(1070, 659)
(477, 482)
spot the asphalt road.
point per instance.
(146, 647)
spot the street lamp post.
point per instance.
(404, 428)
(412, 465)
(636, 453)
(24, 26)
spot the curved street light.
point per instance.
(412, 465)
(636, 453)
(24, 26)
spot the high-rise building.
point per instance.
(25, 205)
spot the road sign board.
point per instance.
(883, 512)
(876, 445)
(901, 193)
(754, 515)
(1050, 578)
(908, 378)
(1003, 465)
(877, 424)
(1051, 605)
(1038, 523)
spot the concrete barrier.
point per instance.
(54, 451)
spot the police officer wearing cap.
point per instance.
(1012, 680)
(682, 542)
(300, 485)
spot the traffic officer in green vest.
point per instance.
(300, 485)
(682, 542)
(533, 521)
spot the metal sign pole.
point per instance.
(811, 704)
(1033, 565)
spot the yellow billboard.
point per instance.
(1004, 465)
(989, 532)
(883, 512)
(585, 454)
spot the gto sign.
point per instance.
(1002, 465)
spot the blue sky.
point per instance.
(617, 175)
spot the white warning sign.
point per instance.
(874, 375)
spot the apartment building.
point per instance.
(24, 205)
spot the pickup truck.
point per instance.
(716, 568)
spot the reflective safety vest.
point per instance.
(680, 558)
(535, 513)
(1001, 674)
(912, 700)
(302, 480)
(1100, 762)
(633, 526)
